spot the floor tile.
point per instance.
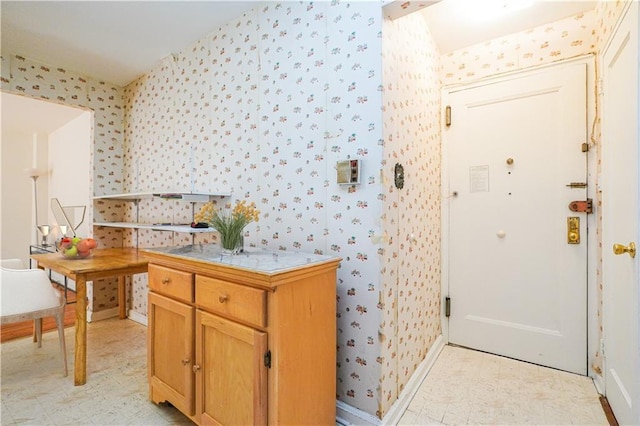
(471, 387)
(463, 387)
(34, 391)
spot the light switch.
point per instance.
(348, 172)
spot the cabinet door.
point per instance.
(231, 383)
(170, 352)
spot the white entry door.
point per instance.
(513, 164)
(620, 210)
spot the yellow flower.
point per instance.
(228, 222)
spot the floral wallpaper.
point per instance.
(607, 15)
(411, 267)
(263, 108)
(30, 78)
(567, 38)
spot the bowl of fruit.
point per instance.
(76, 247)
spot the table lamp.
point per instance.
(44, 229)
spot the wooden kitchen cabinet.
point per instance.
(245, 339)
(170, 352)
(232, 386)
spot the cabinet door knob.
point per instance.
(166, 280)
(223, 298)
(196, 368)
(185, 361)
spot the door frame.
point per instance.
(593, 339)
(625, 10)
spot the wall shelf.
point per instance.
(135, 197)
(155, 227)
(169, 195)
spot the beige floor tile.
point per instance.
(409, 418)
(434, 411)
(463, 387)
(34, 392)
(471, 387)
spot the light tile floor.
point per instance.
(34, 392)
(470, 387)
(463, 387)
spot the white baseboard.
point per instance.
(114, 312)
(101, 315)
(598, 381)
(138, 317)
(348, 415)
(404, 399)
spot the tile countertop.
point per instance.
(259, 260)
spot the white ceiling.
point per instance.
(116, 41)
(453, 26)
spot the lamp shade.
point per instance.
(33, 172)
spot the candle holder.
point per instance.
(44, 229)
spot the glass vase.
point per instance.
(232, 243)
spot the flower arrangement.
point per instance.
(229, 222)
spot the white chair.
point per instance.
(28, 294)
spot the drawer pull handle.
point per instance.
(166, 281)
(223, 298)
(185, 361)
(196, 368)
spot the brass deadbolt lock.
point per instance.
(573, 230)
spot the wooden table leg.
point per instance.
(36, 323)
(122, 296)
(80, 364)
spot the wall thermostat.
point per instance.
(348, 172)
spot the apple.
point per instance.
(65, 243)
(84, 245)
(71, 252)
(92, 243)
(83, 254)
(75, 240)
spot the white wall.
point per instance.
(68, 168)
(69, 151)
(17, 218)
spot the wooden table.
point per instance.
(104, 263)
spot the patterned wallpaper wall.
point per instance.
(26, 77)
(411, 267)
(263, 108)
(567, 38)
(607, 15)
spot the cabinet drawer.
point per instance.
(236, 301)
(172, 283)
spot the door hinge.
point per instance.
(585, 147)
(447, 306)
(267, 359)
(582, 206)
(447, 115)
